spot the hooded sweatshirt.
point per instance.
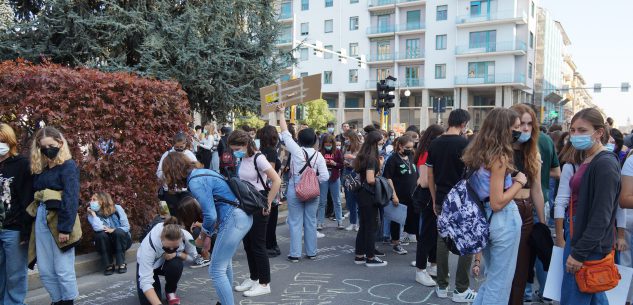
(16, 193)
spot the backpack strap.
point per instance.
(218, 198)
(259, 175)
(308, 160)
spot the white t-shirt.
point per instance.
(627, 169)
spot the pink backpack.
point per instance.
(308, 186)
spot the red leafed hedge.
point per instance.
(91, 108)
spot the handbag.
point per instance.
(308, 186)
(352, 183)
(596, 275)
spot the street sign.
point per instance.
(293, 92)
(439, 105)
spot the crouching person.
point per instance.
(112, 232)
(162, 252)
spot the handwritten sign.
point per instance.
(292, 92)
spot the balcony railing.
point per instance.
(411, 82)
(490, 79)
(498, 15)
(371, 84)
(381, 57)
(407, 1)
(284, 40)
(410, 26)
(285, 15)
(413, 54)
(381, 29)
(492, 47)
(372, 3)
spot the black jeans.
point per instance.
(368, 225)
(271, 228)
(109, 244)
(172, 270)
(427, 243)
(255, 248)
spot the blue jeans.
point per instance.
(13, 281)
(500, 255)
(56, 268)
(233, 227)
(302, 217)
(334, 187)
(351, 200)
(215, 161)
(570, 295)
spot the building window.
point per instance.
(329, 3)
(384, 50)
(532, 9)
(353, 76)
(442, 12)
(530, 70)
(382, 73)
(327, 77)
(353, 1)
(440, 42)
(352, 102)
(303, 54)
(331, 103)
(483, 69)
(286, 10)
(353, 49)
(329, 26)
(412, 76)
(327, 55)
(531, 40)
(305, 5)
(353, 23)
(412, 48)
(304, 28)
(483, 39)
(303, 74)
(475, 8)
(440, 71)
(413, 20)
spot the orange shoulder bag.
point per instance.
(597, 275)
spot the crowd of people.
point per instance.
(219, 188)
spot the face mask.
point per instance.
(94, 205)
(610, 146)
(524, 137)
(50, 152)
(338, 147)
(239, 154)
(179, 149)
(516, 135)
(330, 130)
(581, 142)
(408, 151)
(328, 148)
(4, 149)
(257, 143)
(392, 138)
(169, 250)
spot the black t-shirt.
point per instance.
(272, 157)
(403, 174)
(445, 157)
(370, 164)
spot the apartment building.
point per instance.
(474, 55)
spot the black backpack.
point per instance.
(248, 197)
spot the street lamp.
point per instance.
(407, 93)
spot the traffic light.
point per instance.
(385, 94)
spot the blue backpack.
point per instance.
(463, 224)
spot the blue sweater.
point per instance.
(65, 178)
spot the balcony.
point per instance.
(380, 4)
(493, 79)
(381, 58)
(284, 41)
(407, 3)
(498, 48)
(285, 17)
(411, 28)
(379, 31)
(371, 84)
(411, 83)
(410, 56)
(499, 17)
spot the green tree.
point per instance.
(250, 119)
(6, 15)
(317, 115)
(220, 51)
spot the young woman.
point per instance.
(626, 201)
(490, 155)
(402, 174)
(112, 232)
(254, 168)
(302, 214)
(427, 245)
(334, 161)
(162, 252)
(367, 164)
(594, 189)
(351, 148)
(208, 146)
(570, 160)
(55, 176)
(190, 216)
(269, 142)
(15, 195)
(231, 222)
(526, 160)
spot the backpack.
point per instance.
(227, 160)
(308, 186)
(463, 224)
(150, 226)
(248, 197)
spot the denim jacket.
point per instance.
(204, 189)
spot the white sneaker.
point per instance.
(350, 227)
(432, 270)
(320, 235)
(424, 278)
(467, 296)
(441, 293)
(409, 238)
(346, 215)
(246, 285)
(257, 290)
(413, 264)
(356, 228)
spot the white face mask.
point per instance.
(4, 149)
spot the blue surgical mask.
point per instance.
(524, 137)
(95, 206)
(581, 142)
(330, 130)
(239, 154)
(610, 146)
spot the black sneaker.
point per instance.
(293, 259)
(378, 253)
(313, 257)
(359, 260)
(375, 262)
(399, 250)
(271, 253)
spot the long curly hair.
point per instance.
(493, 142)
(176, 169)
(530, 148)
(107, 204)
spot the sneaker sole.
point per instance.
(399, 253)
(256, 295)
(359, 262)
(376, 265)
(462, 301)
(199, 266)
(427, 285)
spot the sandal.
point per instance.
(109, 270)
(123, 268)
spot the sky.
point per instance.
(601, 34)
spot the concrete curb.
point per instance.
(91, 263)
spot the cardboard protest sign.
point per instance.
(292, 92)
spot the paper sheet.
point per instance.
(396, 213)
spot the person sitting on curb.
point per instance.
(112, 232)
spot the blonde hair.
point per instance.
(493, 142)
(107, 204)
(7, 136)
(38, 163)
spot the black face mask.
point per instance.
(515, 136)
(179, 149)
(169, 250)
(50, 152)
